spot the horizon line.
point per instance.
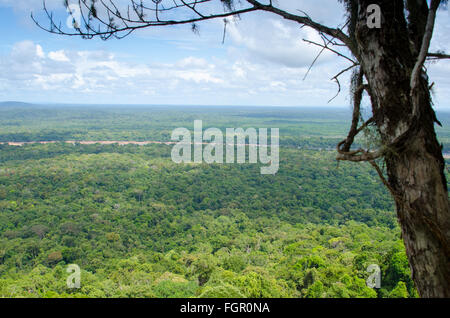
(150, 104)
(183, 105)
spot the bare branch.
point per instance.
(361, 155)
(330, 49)
(438, 56)
(383, 179)
(325, 46)
(128, 23)
(416, 73)
(336, 79)
(357, 98)
(306, 20)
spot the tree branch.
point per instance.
(331, 50)
(415, 75)
(438, 56)
(306, 20)
(130, 24)
(360, 155)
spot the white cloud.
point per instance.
(193, 62)
(59, 56)
(99, 74)
(26, 51)
(39, 51)
(276, 41)
(263, 62)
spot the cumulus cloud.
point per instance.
(263, 61)
(277, 42)
(31, 68)
(59, 56)
(99, 71)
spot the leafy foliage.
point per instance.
(139, 225)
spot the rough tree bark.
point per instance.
(414, 161)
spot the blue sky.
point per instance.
(262, 62)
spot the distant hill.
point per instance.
(14, 104)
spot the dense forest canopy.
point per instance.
(139, 225)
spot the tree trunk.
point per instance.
(414, 161)
(423, 213)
